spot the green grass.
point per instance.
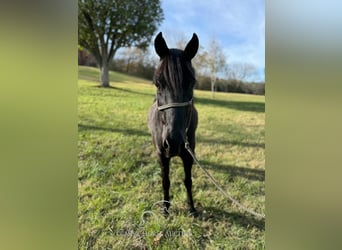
(119, 178)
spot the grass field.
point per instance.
(119, 178)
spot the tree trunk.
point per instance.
(213, 89)
(104, 75)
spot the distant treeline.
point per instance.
(139, 69)
(146, 71)
(231, 85)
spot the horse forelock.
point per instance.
(173, 69)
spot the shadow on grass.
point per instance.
(125, 131)
(230, 142)
(89, 77)
(234, 171)
(258, 107)
(94, 75)
(216, 215)
(125, 90)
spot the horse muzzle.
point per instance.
(172, 145)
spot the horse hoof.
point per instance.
(193, 212)
(165, 212)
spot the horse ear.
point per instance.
(192, 47)
(161, 46)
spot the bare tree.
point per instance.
(240, 71)
(177, 39)
(136, 61)
(216, 61)
(131, 55)
(200, 62)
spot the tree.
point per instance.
(216, 62)
(200, 62)
(104, 26)
(136, 62)
(132, 55)
(240, 71)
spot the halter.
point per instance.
(179, 105)
(174, 105)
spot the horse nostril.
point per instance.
(166, 144)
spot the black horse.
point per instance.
(172, 119)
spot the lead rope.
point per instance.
(187, 146)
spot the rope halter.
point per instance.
(175, 105)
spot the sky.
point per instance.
(237, 25)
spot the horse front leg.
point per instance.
(165, 169)
(187, 163)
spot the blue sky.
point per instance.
(238, 25)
